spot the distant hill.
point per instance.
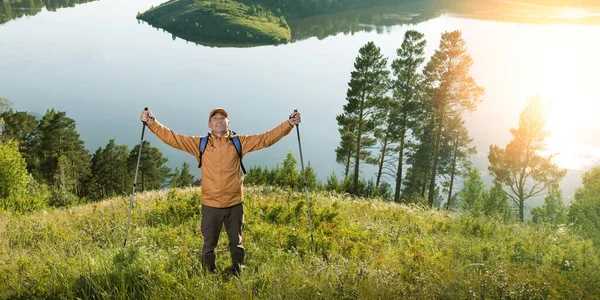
(363, 249)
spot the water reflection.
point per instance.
(14, 9)
(369, 19)
(379, 18)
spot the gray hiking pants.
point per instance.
(213, 220)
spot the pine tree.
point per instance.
(367, 87)
(408, 90)
(521, 166)
(152, 173)
(419, 155)
(20, 127)
(58, 138)
(110, 175)
(553, 212)
(287, 175)
(183, 178)
(455, 159)
(472, 194)
(451, 91)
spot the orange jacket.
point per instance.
(222, 179)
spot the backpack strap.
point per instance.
(236, 143)
(238, 147)
(202, 147)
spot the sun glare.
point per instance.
(565, 80)
(568, 119)
(569, 13)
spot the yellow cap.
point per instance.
(218, 110)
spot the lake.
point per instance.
(99, 64)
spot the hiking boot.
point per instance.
(236, 270)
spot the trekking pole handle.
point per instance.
(145, 109)
(295, 110)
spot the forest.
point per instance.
(405, 117)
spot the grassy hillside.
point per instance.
(364, 249)
(217, 22)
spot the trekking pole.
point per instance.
(310, 225)
(134, 182)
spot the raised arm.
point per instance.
(182, 142)
(259, 141)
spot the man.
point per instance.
(222, 179)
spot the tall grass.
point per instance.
(363, 248)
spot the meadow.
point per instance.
(363, 249)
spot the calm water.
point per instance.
(97, 63)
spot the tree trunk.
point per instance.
(425, 182)
(400, 161)
(522, 209)
(358, 141)
(449, 202)
(383, 151)
(347, 166)
(436, 153)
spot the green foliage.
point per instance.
(173, 210)
(152, 172)
(553, 212)
(496, 204)
(59, 157)
(312, 183)
(287, 175)
(472, 193)
(14, 9)
(451, 90)
(369, 82)
(406, 110)
(182, 178)
(19, 192)
(13, 171)
(20, 127)
(215, 23)
(5, 105)
(64, 172)
(110, 172)
(332, 183)
(301, 9)
(584, 211)
(477, 201)
(362, 249)
(61, 197)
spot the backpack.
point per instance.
(236, 143)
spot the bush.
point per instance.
(60, 197)
(13, 171)
(19, 192)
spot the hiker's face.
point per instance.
(219, 124)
